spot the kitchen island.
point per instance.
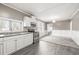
(14, 41)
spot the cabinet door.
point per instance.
(19, 42)
(25, 40)
(1, 49)
(28, 39)
(9, 45)
(27, 21)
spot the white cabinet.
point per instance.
(41, 28)
(1, 46)
(1, 49)
(28, 39)
(24, 41)
(20, 42)
(9, 45)
(27, 21)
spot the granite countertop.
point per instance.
(9, 34)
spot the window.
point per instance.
(4, 25)
(8, 25)
(16, 26)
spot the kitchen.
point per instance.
(39, 29)
(16, 33)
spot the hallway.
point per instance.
(49, 48)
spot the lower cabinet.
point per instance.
(20, 42)
(14, 43)
(1, 49)
(27, 40)
(24, 41)
(9, 45)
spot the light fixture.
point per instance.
(53, 21)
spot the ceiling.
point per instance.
(48, 11)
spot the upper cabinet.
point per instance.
(28, 21)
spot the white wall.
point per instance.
(49, 27)
(75, 36)
(73, 33)
(75, 27)
(64, 33)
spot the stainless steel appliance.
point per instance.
(35, 37)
